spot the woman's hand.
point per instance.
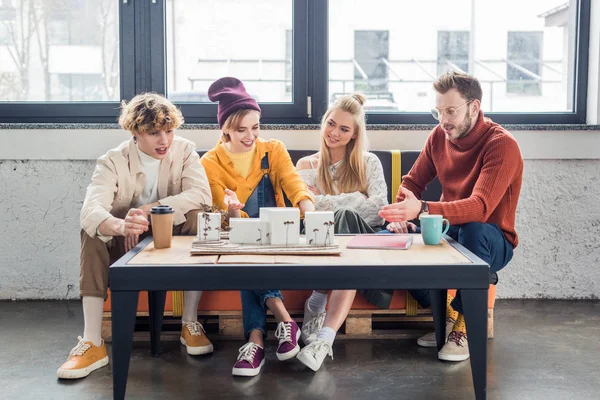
(313, 190)
(306, 205)
(233, 204)
(401, 227)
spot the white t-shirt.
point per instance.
(150, 167)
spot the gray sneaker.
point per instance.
(428, 340)
(456, 348)
(312, 325)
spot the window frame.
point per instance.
(86, 111)
(295, 112)
(577, 116)
(142, 27)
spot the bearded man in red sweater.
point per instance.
(480, 168)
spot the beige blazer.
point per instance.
(118, 181)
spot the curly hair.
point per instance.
(149, 112)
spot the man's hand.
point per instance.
(146, 208)
(135, 223)
(403, 211)
(131, 241)
(401, 227)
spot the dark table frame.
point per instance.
(126, 281)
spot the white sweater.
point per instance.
(367, 206)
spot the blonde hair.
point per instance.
(149, 112)
(351, 176)
(233, 122)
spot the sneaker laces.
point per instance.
(317, 348)
(457, 337)
(247, 352)
(314, 324)
(81, 348)
(195, 328)
(284, 332)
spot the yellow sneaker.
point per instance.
(193, 337)
(83, 359)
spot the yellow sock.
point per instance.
(449, 310)
(459, 325)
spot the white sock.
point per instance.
(190, 306)
(93, 308)
(327, 334)
(317, 302)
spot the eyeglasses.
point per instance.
(448, 112)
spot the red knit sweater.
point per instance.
(480, 174)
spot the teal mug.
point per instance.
(432, 228)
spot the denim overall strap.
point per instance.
(264, 194)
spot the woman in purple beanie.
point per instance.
(246, 173)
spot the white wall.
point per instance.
(43, 176)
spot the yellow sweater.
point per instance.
(222, 174)
(241, 161)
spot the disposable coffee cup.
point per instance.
(162, 226)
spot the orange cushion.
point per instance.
(294, 300)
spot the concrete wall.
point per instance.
(42, 191)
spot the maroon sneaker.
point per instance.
(288, 334)
(250, 360)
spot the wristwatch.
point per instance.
(424, 208)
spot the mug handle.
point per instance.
(447, 226)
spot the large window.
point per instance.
(75, 60)
(253, 41)
(532, 48)
(524, 63)
(453, 52)
(45, 44)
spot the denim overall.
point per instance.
(254, 309)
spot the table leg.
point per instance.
(474, 304)
(124, 306)
(156, 308)
(438, 307)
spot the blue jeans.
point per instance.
(486, 241)
(254, 309)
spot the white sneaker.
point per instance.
(428, 340)
(313, 355)
(456, 348)
(312, 325)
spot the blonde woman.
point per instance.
(154, 167)
(348, 180)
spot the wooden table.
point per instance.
(447, 266)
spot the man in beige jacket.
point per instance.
(154, 167)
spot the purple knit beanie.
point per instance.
(232, 96)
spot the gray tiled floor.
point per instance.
(543, 350)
